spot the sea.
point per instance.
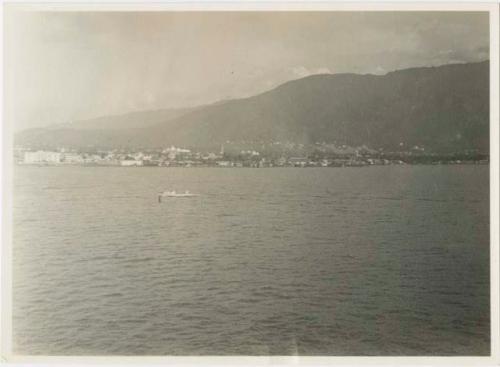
(385, 260)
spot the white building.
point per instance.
(173, 152)
(224, 164)
(72, 158)
(210, 156)
(176, 150)
(42, 157)
(253, 153)
(130, 163)
(171, 155)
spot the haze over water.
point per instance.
(388, 260)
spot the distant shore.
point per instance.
(455, 163)
(300, 157)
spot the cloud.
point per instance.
(302, 71)
(114, 62)
(379, 70)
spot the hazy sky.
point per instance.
(65, 66)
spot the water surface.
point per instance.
(390, 260)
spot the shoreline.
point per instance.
(472, 163)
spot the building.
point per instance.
(129, 162)
(281, 161)
(325, 163)
(92, 159)
(172, 155)
(151, 162)
(210, 156)
(42, 157)
(173, 152)
(298, 161)
(224, 164)
(73, 158)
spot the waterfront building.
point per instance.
(298, 161)
(71, 158)
(224, 164)
(129, 162)
(42, 157)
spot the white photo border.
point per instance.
(6, 145)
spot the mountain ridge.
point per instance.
(440, 107)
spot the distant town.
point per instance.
(289, 155)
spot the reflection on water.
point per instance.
(371, 261)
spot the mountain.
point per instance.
(132, 120)
(443, 108)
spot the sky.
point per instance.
(68, 66)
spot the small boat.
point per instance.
(178, 195)
(173, 194)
